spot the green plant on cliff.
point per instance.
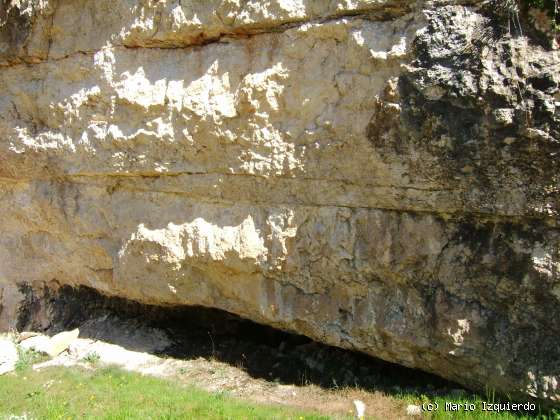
(550, 7)
(544, 15)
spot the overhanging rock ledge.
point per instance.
(379, 175)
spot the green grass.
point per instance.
(26, 358)
(92, 358)
(109, 393)
(552, 7)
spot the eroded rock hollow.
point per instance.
(379, 175)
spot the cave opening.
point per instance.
(197, 332)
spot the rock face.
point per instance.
(379, 175)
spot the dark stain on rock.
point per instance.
(477, 115)
(15, 27)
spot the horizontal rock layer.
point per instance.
(378, 175)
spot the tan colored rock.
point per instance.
(61, 341)
(362, 172)
(11, 299)
(51, 346)
(24, 335)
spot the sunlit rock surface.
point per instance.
(378, 175)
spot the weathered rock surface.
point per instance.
(51, 346)
(379, 175)
(38, 343)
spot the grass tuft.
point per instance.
(26, 359)
(92, 358)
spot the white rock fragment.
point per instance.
(8, 356)
(61, 341)
(413, 410)
(360, 409)
(51, 346)
(38, 343)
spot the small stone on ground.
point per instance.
(413, 410)
(8, 355)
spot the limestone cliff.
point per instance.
(380, 175)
